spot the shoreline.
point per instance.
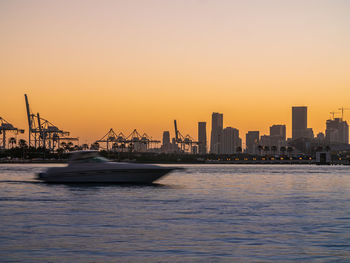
(235, 162)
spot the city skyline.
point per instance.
(91, 66)
(223, 140)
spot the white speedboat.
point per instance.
(90, 167)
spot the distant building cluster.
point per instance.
(226, 140)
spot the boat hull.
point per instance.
(129, 176)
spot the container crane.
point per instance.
(134, 141)
(138, 142)
(5, 127)
(43, 132)
(186, 142)
(112, 137)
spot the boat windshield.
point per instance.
(97, 159)
(87, 157)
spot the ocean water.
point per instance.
(207, 213)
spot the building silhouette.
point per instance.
(216, 132)
(278, 131)
(299, 123)
(230, 140)
(166, 138)
(337, 131)
(202, 137)
(166, 145)
(252, 142)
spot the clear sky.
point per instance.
(88, 66)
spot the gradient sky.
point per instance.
(88, 66)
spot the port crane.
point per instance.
(5, 127)
(43, 133)
(133, 142)
(186, 142)
(140, 143)
(117, 140)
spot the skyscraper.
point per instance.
(227, 141)
(299, 122)
(166, 146)
(278, 131)
(337, 131)
(202, 137)
(252, 141)
(166, 138)
(216, 132)
(230, 140)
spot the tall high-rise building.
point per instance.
(217, 122)
(299, 123)
(166, 138)
(278, 131)
(252, 142)
(166, 145)
(202, 137)
(337, 131)
(230, 140)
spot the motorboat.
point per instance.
(90, 167)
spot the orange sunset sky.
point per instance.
(88, 66)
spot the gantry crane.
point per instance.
(140, 143)
(133, 142)
(186, 142)
(7, 127)
(118, 140)
(43, 132)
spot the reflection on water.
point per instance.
(225, 213)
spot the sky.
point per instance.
(88, 66)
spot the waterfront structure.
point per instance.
(216, 132)
(252, 142)
(337, 131)
(230, 140)
(202, 137)
(272, 143)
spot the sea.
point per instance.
(205, 213)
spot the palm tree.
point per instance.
(283, 149)
(274, 149)
(266, 149)
(69, 146)
(95, 146)
(260, 147)
(239, 149)
(115, 146)
(12, 141)
(60, 152)
(122, 146)
(22, 143)
(290, 150)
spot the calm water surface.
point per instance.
(208, 213)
